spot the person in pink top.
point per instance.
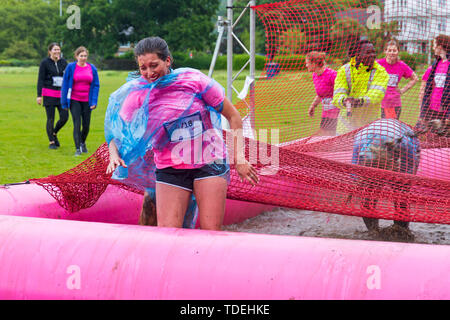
(172, 117)
(80, 93)
(323, 78)
(435, 90)
(397, 69)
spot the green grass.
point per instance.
(282, 103)
(24, 152)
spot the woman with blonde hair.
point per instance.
(397, 69)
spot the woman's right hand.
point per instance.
(114, 158)
(39, 100)
(114, 162)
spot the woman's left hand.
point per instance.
(248, 172)
(243, 167)
(93, 107)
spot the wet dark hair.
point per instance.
(154, 45)
(444, 41)
(52, 45)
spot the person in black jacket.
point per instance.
(50, 77)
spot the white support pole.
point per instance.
(220, 26)
(230, 49)
(229, 25)
(252, 63)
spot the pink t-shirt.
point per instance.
(183, 129)
(439, 82)
(324, 85)
(82, 78)
(396, 72)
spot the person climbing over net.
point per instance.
(176, 116)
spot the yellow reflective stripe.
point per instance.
(372, 75)
(376, 87)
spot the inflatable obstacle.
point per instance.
(46, 254)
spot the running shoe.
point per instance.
(52, 146)
(56, 140)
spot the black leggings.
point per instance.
(63, 117)
(81, 116)
(398, 110)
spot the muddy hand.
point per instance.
(114, 163)
(248, 172)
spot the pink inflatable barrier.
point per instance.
(60, 259)
(116, 205)
(105, 255)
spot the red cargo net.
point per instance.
(388, 169)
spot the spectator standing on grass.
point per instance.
(435, 90)
(49, 83)
(323, 78)
(391, 105)
(359, 88)
(80, 93)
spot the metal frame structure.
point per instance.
(229, 25)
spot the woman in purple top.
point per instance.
(323, 78)
(80, 94)
(51, 72)
(397, 69)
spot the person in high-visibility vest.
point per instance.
(359, 88)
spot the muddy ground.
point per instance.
(318, 224)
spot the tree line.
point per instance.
(27, 26)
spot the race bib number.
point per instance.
(57, 81)
(327, 104)
(439, 79)
(393, 80)
(185, 128)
